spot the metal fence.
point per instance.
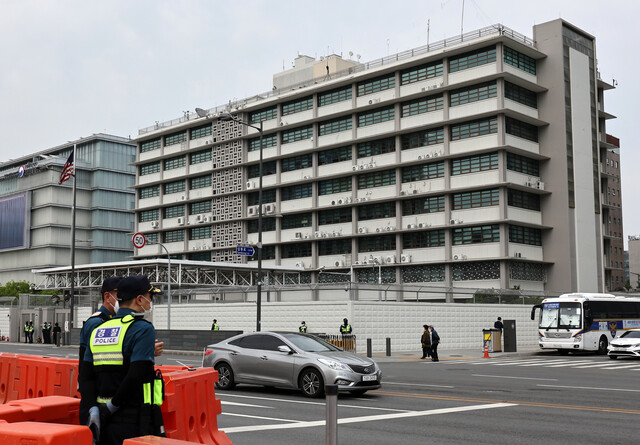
(344, 342)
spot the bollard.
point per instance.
(369, 354)
(388, 347)
(331, 422)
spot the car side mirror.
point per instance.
(285, 349)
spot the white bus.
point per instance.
(584, 321)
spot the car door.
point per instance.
(246, 362)
(277, 366)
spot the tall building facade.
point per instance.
(613, 234)
(472, 163)
(35, 211)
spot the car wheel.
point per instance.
(602, 345)
(359, 392)
(311, 383)
(225, 376)
(613, 357)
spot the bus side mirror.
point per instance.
(533, 311)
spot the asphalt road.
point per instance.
(525, 399)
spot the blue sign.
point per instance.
(245, 250)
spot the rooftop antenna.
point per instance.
(428, 25)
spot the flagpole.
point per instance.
(73, 246)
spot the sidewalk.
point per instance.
(453, 354)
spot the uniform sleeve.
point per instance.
(143, 341)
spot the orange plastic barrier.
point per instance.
(53, 409)
(154, 440)
(190, 408)
(28, 376)
(7, 372)
(39, 433)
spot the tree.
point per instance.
(13, 288)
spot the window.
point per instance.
(334, 216)
(296, 163)
(334, 96)
(200, 156)
(376, 116)
(472, 59)
(480, 198)
(268, 253)
(519, 60)
(377, 243)
(173, 211)
(200, 256)
(201, 131)
(418, 206)
(173, 236)
(296, 192)
(268, 225)
(152, 238)
(149, 192)
(523, 164)
(520, 95)
(423, 172)
(422, 72)
(417, 240)
(151, 145)
(149, 215)
(148, 169)
(422, 105)
(295, 221)
(270, 140)
(339, 154)
(423, 138)
(523, 200)
(472, 164)
(200, 182)
(377, 147)
(376, 211)
(378, 84)
(267, 196)
(473, 93)
(334, 126)
(525, 235)
(268, 168)
(297, 134)
(266, 114)
(337, 185)
(175, 138)
(423, 274)
(475, 128)
(475, 270)
(478, 234)
(199, 207)
(298, 105)
(174, 187)
(377, 179)
(203, 232)
(372, 275)
(296, 250)
(177, 162)
(521, 129)
(334, 247)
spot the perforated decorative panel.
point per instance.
(227, 208)
(476, 270)
(226, 234)
(227, 154)
(225, 130)
(226, 256)
(527, 271)
(227, 181)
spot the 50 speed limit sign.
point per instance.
(139, 240)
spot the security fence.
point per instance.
(344, 342)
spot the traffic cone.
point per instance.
(486, 351)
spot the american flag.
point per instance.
(67, 170)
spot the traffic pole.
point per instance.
(331, 422)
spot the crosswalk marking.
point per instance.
(595, 363)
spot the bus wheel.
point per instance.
(602, 345)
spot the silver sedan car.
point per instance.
(290, 360)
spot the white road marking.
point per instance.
(418, 384)
(510, 377)
(312, 403)
(626, 366)
(589, 387)
(591, 366)
(245, 404)
(260, 417)
(381, 417)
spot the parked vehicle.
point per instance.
(625, 345)
(290, 360)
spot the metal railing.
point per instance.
(344, 342)
(488, 31)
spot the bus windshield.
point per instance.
(561, 316)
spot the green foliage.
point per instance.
(13, 288)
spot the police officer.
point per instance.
(303, 327)
(345, 327)
(26, 331)
(109, 293)
(30, 328)
(118, 366)
(215, 326)
(46, 332)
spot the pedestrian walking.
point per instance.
(435, 341)
(303, 327)
(425, 340)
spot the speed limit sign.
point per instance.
(139, 240)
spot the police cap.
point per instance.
(110, 284)
(130, 287)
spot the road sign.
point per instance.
(139, 240)
(245, 250)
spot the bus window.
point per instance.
(549, 317)
(570, 315)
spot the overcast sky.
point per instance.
(71, 68)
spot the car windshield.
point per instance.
(309, 343)
(561, 315)
(631, 334)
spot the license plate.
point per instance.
(368, 378)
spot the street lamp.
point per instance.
(229, 117)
